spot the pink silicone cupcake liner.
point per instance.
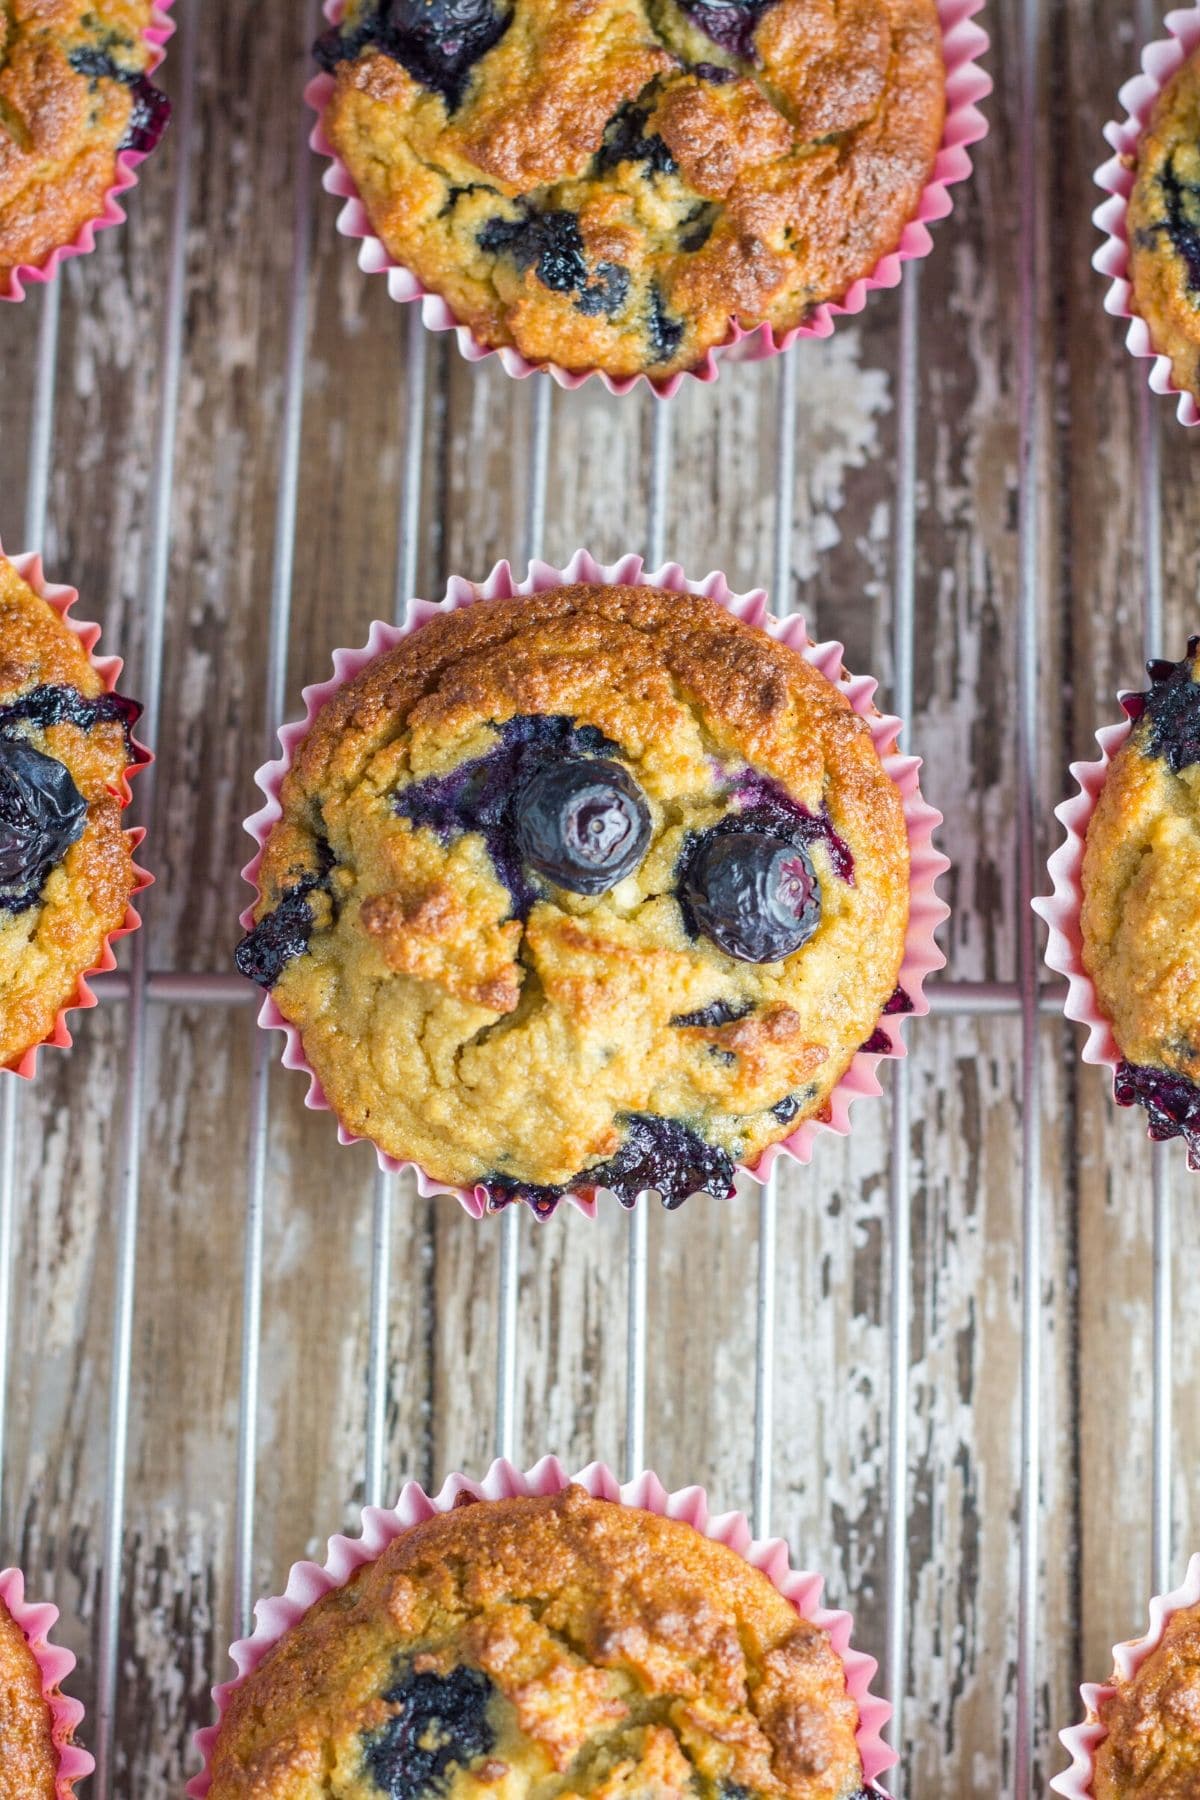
(62, 599)
(926, 910)
(308, 1581)
(1081, 1742)
(1116, 176)
(55, 1663)
(156, 35)
(963, 42)
(1061, 909)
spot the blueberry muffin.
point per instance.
(66, 866)
(607, 184)
(73, 94)
(28, 1757)
(1140, 918)
(555, 1646)
(1152, 1747)
(1164, 225)
(601, 888)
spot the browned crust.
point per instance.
(44, 952)
(59, 131)
(28, 1758)
(813, 160)
(1157, 271)
(1152, 1747)
(617, 1610)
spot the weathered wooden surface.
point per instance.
(832, 1339)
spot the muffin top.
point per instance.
(1164, 225)
(601, 888)
(66, 868)
(28, 1758)
(543, 1647)
(1140, 923)
(1152, 1751)
(606, 184)
(73, 93)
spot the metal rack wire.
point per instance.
(138, 986)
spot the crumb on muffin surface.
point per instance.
(533, 1648)
(1152, 1747)
(1164, 225)
(484, 1021)
(1140, 921)
(28, 1758)
(608, 183)
(73, 93)
(71, 889)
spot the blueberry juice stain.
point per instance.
(150, 107)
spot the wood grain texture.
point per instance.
(1097, 528)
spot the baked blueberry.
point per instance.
(721, 1012)
(730, 23)
(753, 894)
(151, 109)
(551, 244)
(55, 703)
(627, 140)
(481, 795)
(1171, 1101)
(42, 813)
(1171, 709)
(437, 41)
(664, 332)
(583, 824)
(440, 1722)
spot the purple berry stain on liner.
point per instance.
(1171, 1100)
(151, 108)
(879, 1043)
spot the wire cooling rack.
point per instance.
(139, 987)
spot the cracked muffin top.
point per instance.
(73, 94)
(601, 888)
(1140, 923)
(606, 184)
(66, 867)
(525, 1649)
(28, 1758)
(1164, 225)
(1152, 1751)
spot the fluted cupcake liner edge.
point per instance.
(36, 1621)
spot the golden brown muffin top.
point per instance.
(28, 1758)
(524, 1649)
(1140, 923)
(73, 93)
(1152, 1750)
(607, 183)
(1164, 225)
(66, 869)
(465, 1007)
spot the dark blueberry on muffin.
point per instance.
(640, 174)
(66, 864)
(440, 1722)
(623, 942)
(756, 896)
(542, 1646)
(42, 813)
(1139, 921)
(74, 93)
(583, 824)
(437, 41)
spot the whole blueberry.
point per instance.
(755, 895)
(583, 824)
(42, 813)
